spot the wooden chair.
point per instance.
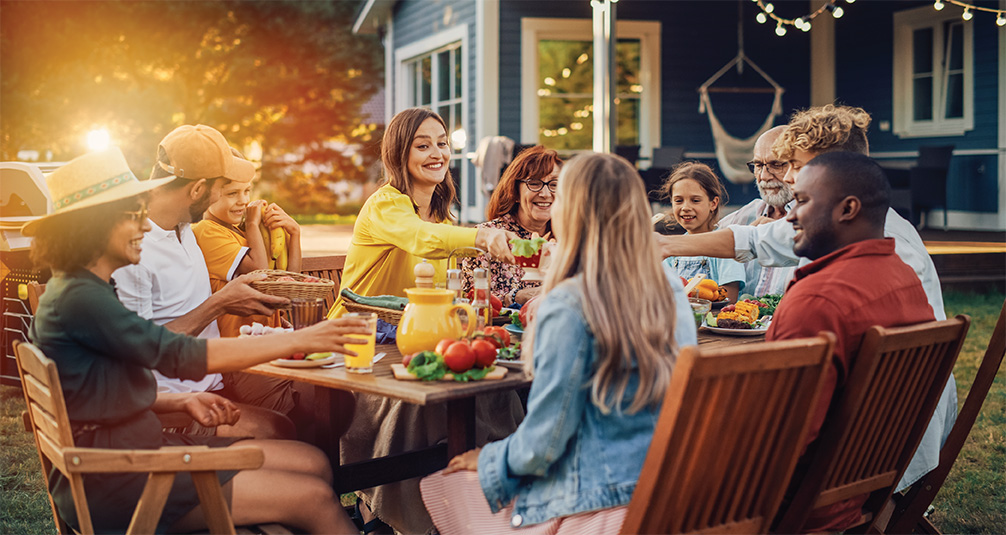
(911, 506)
(729, 435)
(326, 267)
(47, 418)
(875, 424)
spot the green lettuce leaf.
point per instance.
(526, 248)
(427, 366)
(473, 374)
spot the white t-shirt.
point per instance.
(170, 280)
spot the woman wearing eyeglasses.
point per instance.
(522, 204)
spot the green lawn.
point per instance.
(973, 500)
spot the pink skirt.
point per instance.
(458, 506)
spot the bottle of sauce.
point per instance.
(481, 303)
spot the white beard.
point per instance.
(779, 198)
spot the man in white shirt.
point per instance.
(809, 133)
(773, 203)
(171, 286)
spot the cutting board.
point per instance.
(403, 374)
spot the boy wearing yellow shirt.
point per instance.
(231, 249)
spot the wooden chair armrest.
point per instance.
(166, 459)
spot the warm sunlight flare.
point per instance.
(98, 139)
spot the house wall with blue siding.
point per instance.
(697, 39)
(418, 19)
(864, 77)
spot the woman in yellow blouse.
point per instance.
(408, 219)
(403, 222)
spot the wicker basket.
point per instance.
(295, 289)
(386, 314)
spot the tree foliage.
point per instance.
(289, 75)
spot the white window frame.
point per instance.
(430, 46)
(905, 23)
(534, 30)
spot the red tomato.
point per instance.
(485, 353)
(503, 335)
(684, 281)
(459, 357)
(494, 302)
(297, 356)
(528, 310)
(443, 344)
(406, 360)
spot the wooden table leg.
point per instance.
(460, 426)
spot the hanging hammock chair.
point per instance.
(733, 153)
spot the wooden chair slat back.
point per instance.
(50, 423)
(908, 513)
(326, 267)
(878, 419)
(35, 291)
(729, 434)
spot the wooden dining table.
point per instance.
(330, 386)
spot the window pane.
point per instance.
(425, 82)
(445, 114)
(955, 96)
(628, 122)
(627, 66)
(410, 86)
(444, 75)
(955, 40)
(457, 73)
(565, 123)
(922, 51)
(456, 123)
(922, 92)
(565, 67)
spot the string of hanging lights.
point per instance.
(803, 23)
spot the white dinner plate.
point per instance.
(290, 363)
(736, 332)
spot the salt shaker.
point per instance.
(424, 272)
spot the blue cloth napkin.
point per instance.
(385, 332)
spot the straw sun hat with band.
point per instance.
(93, 179)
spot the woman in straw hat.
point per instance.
(105, 354)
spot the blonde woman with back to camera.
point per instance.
(602, 350)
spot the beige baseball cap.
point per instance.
(200, 151)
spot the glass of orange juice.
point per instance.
(363, 362)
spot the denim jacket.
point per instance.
(566, 456)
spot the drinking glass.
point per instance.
(305, 312)
(699, 309)
(363, 362)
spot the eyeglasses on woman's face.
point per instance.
(536, 185)
(137, 215)
(775, 167)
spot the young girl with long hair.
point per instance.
(696, 195)
(602, 350)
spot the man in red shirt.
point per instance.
(854, 282)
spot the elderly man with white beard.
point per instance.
(773, 204)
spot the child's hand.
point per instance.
(276, 217)
(253, 214)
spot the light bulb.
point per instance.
(769, 8)
(967, 14)
(806, 27)
(761, 18)
(798, 23)
(780, 30)
(838, 12)
(850, 1)
(1000, 20)
(938, 6)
